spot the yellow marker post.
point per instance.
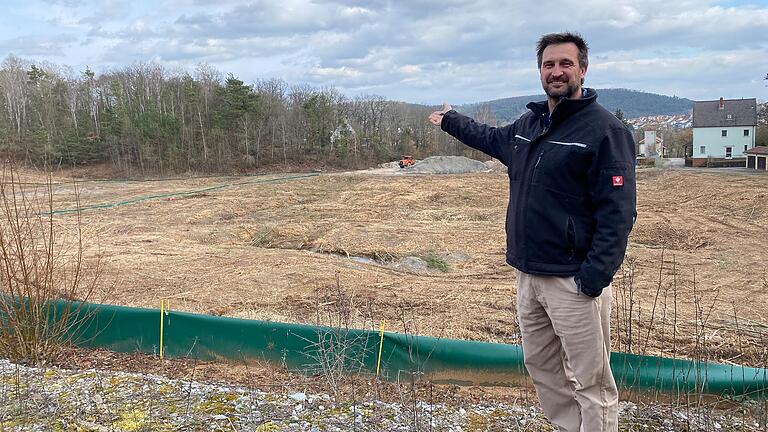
(381, 344)
(162, 314)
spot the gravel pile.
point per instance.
(447, 165)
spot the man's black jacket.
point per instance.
(571, 187)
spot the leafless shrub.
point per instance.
(680, 322)
(39, 264)
(339, 349)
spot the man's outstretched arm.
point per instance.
(489, 140)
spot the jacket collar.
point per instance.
(565, 107)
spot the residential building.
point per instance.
(651, 144)
(724, 128)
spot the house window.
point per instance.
(724, 132)
(703, 150)
(729, 117)
(745, 147)
(746, 132)
(728, 152)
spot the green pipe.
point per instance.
(135, 180)
(172, 194)
(318, 349)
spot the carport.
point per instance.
(757, 158)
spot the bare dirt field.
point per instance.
(425, 253)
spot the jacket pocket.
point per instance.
(570, 235)
(562, 168)
(549, 238)
(582, 229)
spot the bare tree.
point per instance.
(13, 83)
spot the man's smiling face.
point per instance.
(561, 74)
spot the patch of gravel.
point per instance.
(446, 165)
(42, 399)
(91, 400)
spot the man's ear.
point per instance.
(583, 73)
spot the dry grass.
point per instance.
(263, 250)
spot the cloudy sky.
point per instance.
(411, 50)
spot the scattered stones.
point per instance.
(301, 397)
(58, 399)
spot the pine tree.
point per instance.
(620, 115)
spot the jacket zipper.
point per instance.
(536, 165)
(520, 246)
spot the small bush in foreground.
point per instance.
(39, 264)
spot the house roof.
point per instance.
(759, 150)
(735, 112)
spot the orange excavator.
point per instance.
(406, 161)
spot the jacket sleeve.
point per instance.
(612, 190)
(490, 140)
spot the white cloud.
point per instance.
(410, 69)
(37, 46)
(342, 72)
(416, 50)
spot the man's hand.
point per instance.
(437, 117)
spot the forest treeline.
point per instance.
(144, 118)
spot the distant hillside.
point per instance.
(633, 103)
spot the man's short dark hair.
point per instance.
(561, 38)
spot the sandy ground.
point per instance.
(694, 283)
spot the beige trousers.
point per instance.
(566, 348)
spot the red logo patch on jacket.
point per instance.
(618, 180)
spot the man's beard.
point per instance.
(566, 91)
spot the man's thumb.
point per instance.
(446, 107)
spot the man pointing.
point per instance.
(571, 208)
